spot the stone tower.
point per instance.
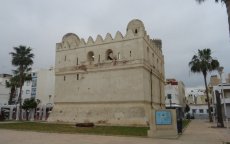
(109, 81)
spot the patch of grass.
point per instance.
(185, 122)
(68, 128)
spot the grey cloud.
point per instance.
(183, 26)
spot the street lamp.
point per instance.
(220, 71)
(170, 99)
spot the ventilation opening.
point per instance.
(130, 53)
(90, 56)
(136, 31)
(65, 58)
(99, 58)
(147, 53)
(64, 78)
(77, 61)
(77, 76)
(118, 56)
(109, 54)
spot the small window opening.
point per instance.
(65, 58)
(135, 31)
(99, 58)
(130, 53)
(201, 110)
(77, 76)
(194, 111)
(109, 54)
(147, 53)
(119, 56)
(90, 56)
(64, 78)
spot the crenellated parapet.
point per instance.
(135, 29)
(74, 44)
(135, 45)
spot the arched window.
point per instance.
(109, 54)
(90, 56)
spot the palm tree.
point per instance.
(13, 84)
(28, 105)
(204, 63)
(227, 4)
(22, 58)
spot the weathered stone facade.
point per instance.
(109, 81)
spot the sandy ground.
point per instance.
(198, 132)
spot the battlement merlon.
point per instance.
(135, 29)
(158, 44)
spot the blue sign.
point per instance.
(163, 117)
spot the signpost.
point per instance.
(163, 124)
(163, 117)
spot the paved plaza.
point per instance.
(198, 132)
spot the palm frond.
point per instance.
(203, 62)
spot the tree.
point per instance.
(187, 108)
(220, 122)
(29, 104)
(22, 58)
(203, 63)
(13, 84)
(227, 4)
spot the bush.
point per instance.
(2, 116)
(84, 125)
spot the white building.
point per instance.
(4, 92)
(199, 111)
(45, 86)
(174, 94)
(41, 86)
(196, 99)
(226, 89)
(26, 90)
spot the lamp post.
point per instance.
(170, 100)
(220, 71)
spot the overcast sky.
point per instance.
(184, 26)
